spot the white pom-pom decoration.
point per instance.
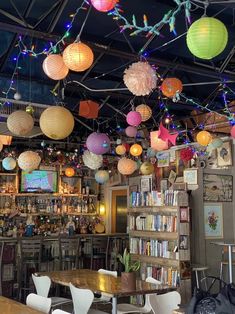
(140, 78)
(91, 160)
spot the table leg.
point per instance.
(114, 305)
(230, 264)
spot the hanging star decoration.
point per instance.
(165, 135)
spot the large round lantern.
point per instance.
(136, 150)
(54, 67)
(120, 149)
(78, 57)
(29, 161)
(69, 172)
(56, 122)
(131, 131)
(232, 131)
(146, 168)
(9, 163)
(204, 138)
(102, 176)
(207, 38)
(171, 86)
(91, 160)
(126, 166)
(20, 123)
(104, 5)
(145, 112)
(98, 143)
(156, 143)
(133, 118)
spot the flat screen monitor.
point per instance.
(39, 181)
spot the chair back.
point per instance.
(59, 312)
(31, 249)
(108, 272)
(165, 303)
(38, 303)
(82, 299)
(147, 304)
(69, 249)
(42, 285)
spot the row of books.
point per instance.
(166, 275)
(153, 223)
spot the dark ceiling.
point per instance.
(40, 22)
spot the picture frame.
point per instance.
(190, 176)
(217, 188)
(213, 220)
(184, 214)
(164, 184)
(172, 176)
(183, 242)
(163, 159)
(145, 184)
(224, 155)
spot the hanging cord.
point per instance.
(83, 25)
(205, 8)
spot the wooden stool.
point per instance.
(200, 269)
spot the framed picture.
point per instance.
(217, 188)
(167, 170)
(145, 184)
(133, 188)
(183, 242)
(224, 155)
(164, 184)
(190, 176)
(213, 220)
(184, 214)
(172, 176)
(115, 179)
(163, 159)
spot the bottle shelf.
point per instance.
(48, 194)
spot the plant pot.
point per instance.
(128, 280)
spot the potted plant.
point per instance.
(128, 277)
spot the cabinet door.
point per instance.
(119, 210)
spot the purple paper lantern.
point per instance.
(98, 143)
(131, 131)
(134, 118)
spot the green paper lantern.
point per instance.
(207, 38)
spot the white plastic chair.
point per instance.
(165, 303)
(39, 303)
(42, 285)
(104, 298)
(59, 312)
(124, 308)
(82, 300)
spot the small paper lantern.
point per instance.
(54, 67)
(69, 172)
(98, 143)
(17, 96)
(146, 168)
(204, 138)
(29, 161)
(232, 131)
(133, 118)
(131, 131)
(186, 154)
(56, 122)
(1, 146)
(104, 5)
(20, 123)
(9, 163)
(120, 150)
(207, 38)
(171, 86)
(91, 160)
(6, 139)
(136, 150)
(156, 143)
(145, 112)
(78, 57)
(102, 176)
(126, 166)
(88, 109)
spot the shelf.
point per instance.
(48, 194)
(154, 234)
(7, 174)
(153, 209)
(63, 214)
(166, 262)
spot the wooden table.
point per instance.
(109, 285)
(9, 306)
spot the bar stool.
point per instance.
(69, 252)
(224, 259)
(198, 269)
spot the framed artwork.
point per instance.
(190, 176)
(145, 184)
(217, 188)
(183, 242)
(172, 176)
(213, 220)
(184, 214)
(163, 159)
(164, 184)
(115, 179)
(224, 155)
(133, 188)
(167, 170)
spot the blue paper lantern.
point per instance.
(102, 176)
(9, 163)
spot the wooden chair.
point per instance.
(39, 303)
(165, 303)
(69, 252)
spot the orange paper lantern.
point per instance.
(145, 112)
(69, 172)
(204, 138)
(136, 150)
(171, 86)
(54, 67)
(120, 149)
(88, 109)
(5, 139)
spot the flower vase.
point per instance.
(128, 280)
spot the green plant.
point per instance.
(125, 259)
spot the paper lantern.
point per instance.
(78, 57)
(104, 5)
(9, 163)
(17, 96)
(186, 154)
(133, 118)
(136, 150)
(207, 38)
(102, 176)
(98, 143)
(91, 160)
(69, 172)
(156, 143)
(126, 166)
(56, 122)
(1, 146)
(171, 86)
(5, 139)
(204, 138)
(20, 123)
(131, 131)
(54, 67)
(29, 161)
(145, 112)
(120, 150)
(232, 131)
(146, 168)
(140, 78)
(88, 109)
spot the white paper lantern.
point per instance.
(102, 176)
(29, 161)
(9, 163)
(91, 160)
(126, 166)
(20, 123)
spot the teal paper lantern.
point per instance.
(207, 38)
(9, 163)
(102, 176)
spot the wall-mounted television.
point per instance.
(39, 181)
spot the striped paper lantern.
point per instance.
(20, 123)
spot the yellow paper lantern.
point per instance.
(136, 150)
(204, 138)
(120, 150)
(157, 143)
(69, 172)
(126, 166)
(145, 112)
(146, 168)
(20, 123)
(1, 146)
(54, 67)
(56, 122)
(6, 139)
(29, 161)
(78, 57)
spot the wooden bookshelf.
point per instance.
(153, 209)
(166, 262)
(154, 234)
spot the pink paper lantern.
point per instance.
(156, 143)
(131, 131)
(233, 131)
(98, 143)
(133, 118)
(104, 5)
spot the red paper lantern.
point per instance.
(171, 86)
(104, 5)
(186, 154)
(88, 109)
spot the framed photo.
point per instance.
(145, 184)
(224, 155)
(190, 176)
(172, 176)
(183, 242)
(163, 159)
(184, 214)
(213, 220)
(133, 188)
(217, 188)
(115, 179)
(164, 184)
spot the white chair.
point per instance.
(165, 303)
(124, 308)
(38, 303)
(59, 312)
(104, 298)
(82, 300)
(42, 285)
